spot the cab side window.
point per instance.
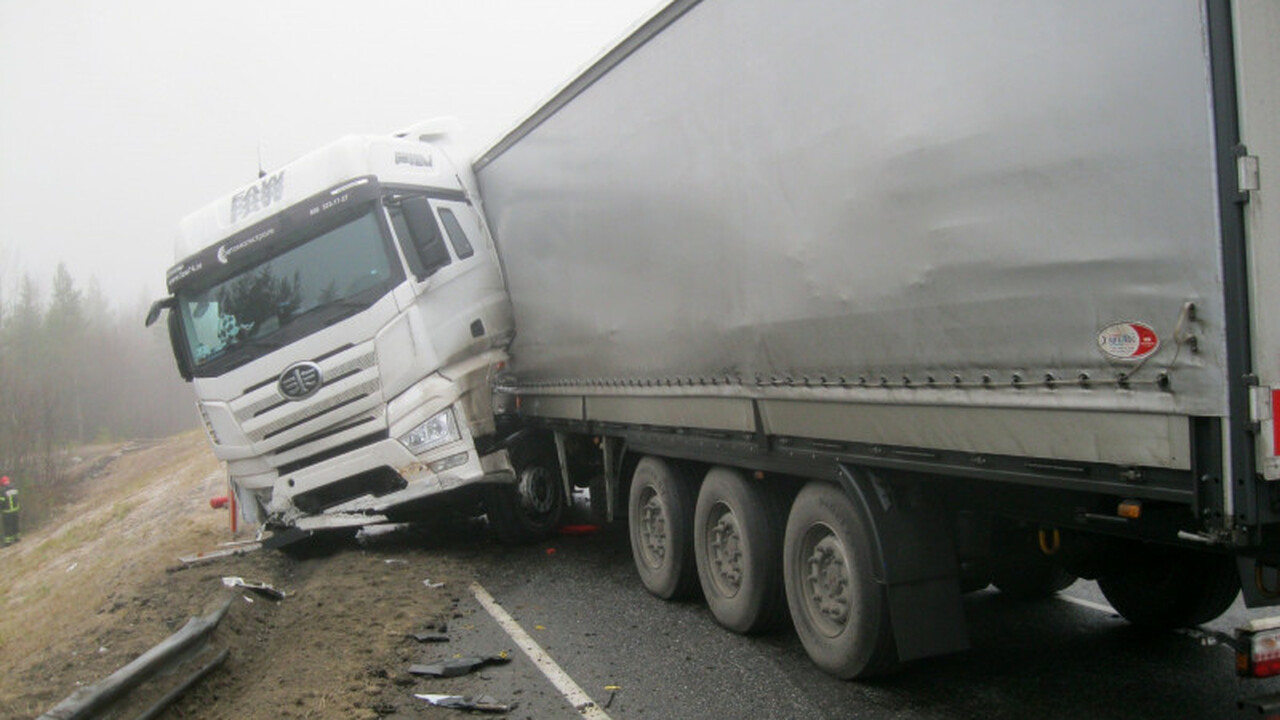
(425, 250)
(458, 238)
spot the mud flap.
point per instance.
(915, 546)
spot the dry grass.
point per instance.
(127, 526)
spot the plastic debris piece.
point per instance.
(458, 666)
(578, 529)
(238, 549)
(217, 503)
(432, 585)
(262, 589)
(479, 703)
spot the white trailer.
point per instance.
(856, 305)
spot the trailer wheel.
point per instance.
(1165, 588)
(660, 516)
(528, 510)
(737, 541)
(840, 612)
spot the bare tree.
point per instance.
(73, 372)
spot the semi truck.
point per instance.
(341, 320)
(844, 308)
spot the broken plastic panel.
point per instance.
(480, 703)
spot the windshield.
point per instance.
(293, 294)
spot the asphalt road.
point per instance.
(639, 657)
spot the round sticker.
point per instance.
(1128, 341)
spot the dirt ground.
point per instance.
(86, 595)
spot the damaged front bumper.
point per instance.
(366, 485)
(371, 461)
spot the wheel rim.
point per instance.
(537, 491)
(827, 584)
(653, 529)
(724, 550)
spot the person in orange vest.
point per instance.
(9, 510)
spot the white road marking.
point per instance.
(580, 700)
(1089, 604)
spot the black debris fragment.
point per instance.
(458, 666)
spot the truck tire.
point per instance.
(1165, 588)
(1020, 569)
(737, 540)
(528, 510)
(660, 516)
(840, 613)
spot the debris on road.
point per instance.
(481, 703)
(228, 550)
(578, 529)
(458, 666)
(429, 637)
(613, 690)
(432, 585)
(374, 530)
(262, 589)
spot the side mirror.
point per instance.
(160, 306)
(176, 341)
(425, 234)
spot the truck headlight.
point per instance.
(439, 429)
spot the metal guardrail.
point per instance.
(91, 700)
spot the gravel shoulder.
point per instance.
(102, 584)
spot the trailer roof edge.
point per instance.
(633, 41)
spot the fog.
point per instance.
(119, 118)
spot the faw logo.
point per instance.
(258, 197)
(300, 380)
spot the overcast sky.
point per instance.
(117, 118)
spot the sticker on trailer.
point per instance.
(1264, 403)
(1275, 426)
(1128, 341)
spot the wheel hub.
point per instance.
(653, 530)
(537, 492)
(827, 581)
(724, 545)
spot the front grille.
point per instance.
(332, 452)
(376, 482)
(275, 378)
(264, 403)
(351, 383)
(292, 421)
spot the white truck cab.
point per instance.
(340, 320)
